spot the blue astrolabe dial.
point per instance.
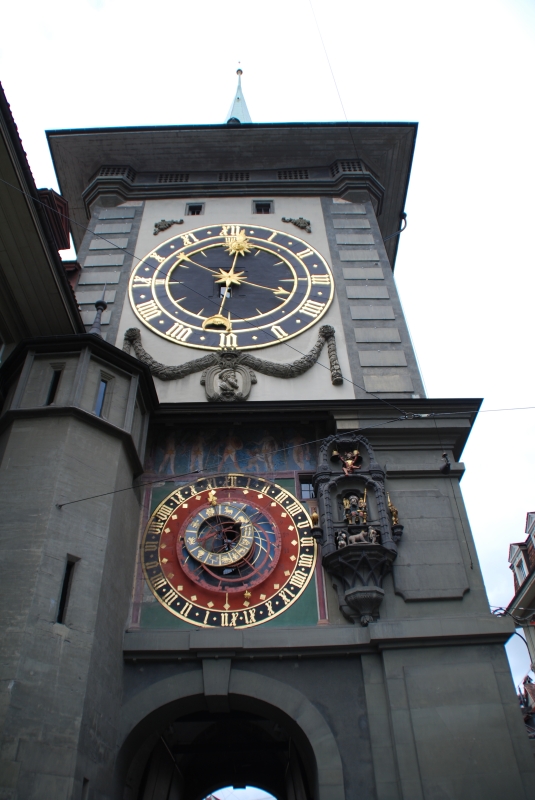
(220, 535)
(231, 285)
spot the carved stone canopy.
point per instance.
(358, 537)
(358, 571)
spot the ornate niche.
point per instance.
(358, 528)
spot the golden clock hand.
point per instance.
(228, 282)
(195, 263)
(279, 291)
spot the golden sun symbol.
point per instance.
(239, 244)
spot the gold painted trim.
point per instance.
(257, 605)
(207, 245)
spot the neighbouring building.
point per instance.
(522, 609)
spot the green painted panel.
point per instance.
(303, 612)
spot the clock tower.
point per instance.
(258, 565)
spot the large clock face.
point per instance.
(228, 551)
(231, 285)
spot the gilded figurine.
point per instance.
(371, 536)
(341, 539)
(315, 519)
(212, 497)
(355, 510)
(349, 460)
(393, 511)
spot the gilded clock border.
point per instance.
(211, 348)
(211, 484)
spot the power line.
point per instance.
(127, 488)
(358, 431)
(349, 128)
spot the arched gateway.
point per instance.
(186, 735)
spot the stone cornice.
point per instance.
(326, 181)
(74, 344)
(321, 641)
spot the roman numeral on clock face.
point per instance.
(179, 332)
(298, 579)
(294, 508)
(321, 279)
(149, 310)
(170, 597)
(188, 238)
(305, 253)
(312, 308)
(279, 332)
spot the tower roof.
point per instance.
(238, 108)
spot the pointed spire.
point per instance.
(238, 112)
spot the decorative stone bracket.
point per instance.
(301, 223)
(165, 224)
(228, 374)
(358, 571)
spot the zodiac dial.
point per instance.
(228, 551)
(236, 285)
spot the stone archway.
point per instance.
(225, 693)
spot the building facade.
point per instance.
(522, 610)
(235, 547)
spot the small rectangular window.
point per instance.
(307, 489)
(53, 388)
(66, 589)
(225, 291)
(263, 207)
(521, 569)
(99, 405)
(85, 789)
(194, 209)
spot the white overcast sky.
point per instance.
(463, 70)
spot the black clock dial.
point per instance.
(231, 286)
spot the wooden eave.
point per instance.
(386, 148)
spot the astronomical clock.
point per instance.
(235, 285)
(228, 551)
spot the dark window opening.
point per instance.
(100, 397)
(225, 291)
(194, 209)
(307, 489)
(65, 589)
(53, 388)
(263, 208)
(85, 789)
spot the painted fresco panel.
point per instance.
(181, 449)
